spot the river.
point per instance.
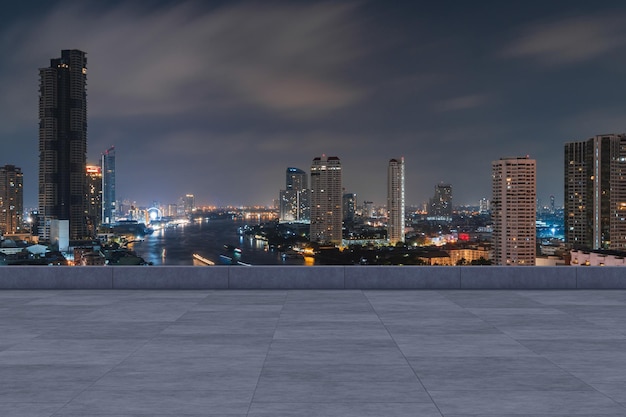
(176, 245)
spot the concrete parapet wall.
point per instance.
(315, 277)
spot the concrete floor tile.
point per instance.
(228, 380)
(54, 357)
(135, 312)
(494, 373)
(309, 409)
(485, 402)
(312, 353)
(363, 391)
(335, 334)
(295, 317)
(155, 402)
(237, 308)
(60, 376)
(339, 372)
(615, 390)
(576, 348)
(461, 345)
(197, 328)
(106, 330)
(441, 326)
(30, 393)
(485, 298)
(174, 414)
(29, 409)
(538, 415)
(383, 352)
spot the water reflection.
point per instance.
(175, 246)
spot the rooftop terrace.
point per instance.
(326, 353)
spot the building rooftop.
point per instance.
(452, 353)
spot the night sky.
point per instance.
(218, 98)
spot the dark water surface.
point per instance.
(176, 245)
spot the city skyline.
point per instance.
(188, 91)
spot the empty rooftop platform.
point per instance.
(326, 353)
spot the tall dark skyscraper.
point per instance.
(63, 143)
(11, 199)
(349, 207)
(595, 193)
(109, 209)
(441, 203)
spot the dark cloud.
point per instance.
(218, 98)
(570, 40)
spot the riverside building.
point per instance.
(326, 200)
(63, 144)
(109, 206)
(294, 200)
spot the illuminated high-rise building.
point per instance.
(294, 200)
(295, 179)
(11, 199)
(94, 198)
(595, 193)
(395, 201)
(172, 210)
(189, 203)
(63, 143)
(326, 199)
(109, 205)
(484, 205)
(513, 211)
(441, 203)
(349, 207)
(368, 209)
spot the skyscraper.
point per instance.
(349, 207)
(94, 198)
(395, 201)
(109, 206)
(326, 199)
(63, 143)
(513, 211)
(294, 200)
(11, 199)
(295, 179)
(441, 204)
(189, 203)
(595, 193)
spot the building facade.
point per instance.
(294, 201)
(441, 203)
(109, 205)
(63, 143)
(326, 200)
(11, 200)
(189, 203)
(349, 207)
(595, 193)
(513, 211)
(94, 199)
(395, 201)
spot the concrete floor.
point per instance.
(312, 353)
